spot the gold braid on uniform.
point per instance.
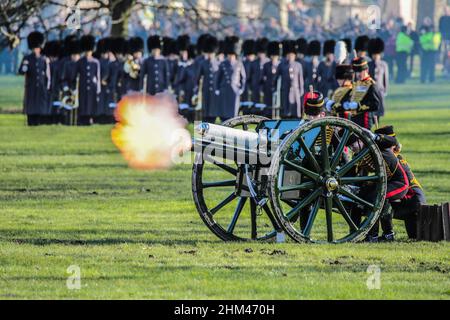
(358, 94)
(337, 97)
(329, 134)
(414, 182)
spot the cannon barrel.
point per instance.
(228, 143)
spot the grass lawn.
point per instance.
(68, 198)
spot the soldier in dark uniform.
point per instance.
(292, 86)
(230, 81)
(249, 53)
(116, 51)
(102, 55)
(132, 65)
(270, 76)
(185, 83)
(155, 68)
(183, 43)
(89, 87)
(366, 99)
(344, 76)
(327, 69)
(362, 46)
(256, 74)
(205, 80)
(52, 50)
(201, 54)
(69, 79)
(312, 66)
(169, 51)
(36, 69)
(302, 51)
(379, 70)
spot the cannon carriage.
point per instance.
(316, 181)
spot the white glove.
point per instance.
(217, 92)
(350, 105)
(329, 105)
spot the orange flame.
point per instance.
(149, 132)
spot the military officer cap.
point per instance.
(328, 47)
(313, 103)
(302, 46)
(344, 72)
(210, 44)
(273, 48)
(35, 40)
(261, 45)
(87, 43)
(232, 45)
(386, 130)
(289, 47)
(248, 47)
(314, 48)
(376, 46)
(360, 64)
(154, 42)
(135, 44)
(362, 43)
(183, 42)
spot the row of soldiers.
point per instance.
(81, 80)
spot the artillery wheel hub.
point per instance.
(331, 184)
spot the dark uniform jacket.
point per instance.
(185, 82)
(89, 88)
(172, 65)
(379, 71)
(230, 82)
(369, 100)
(104, 99)
(157, 72)
(114, 86)
(207, 73)
(55, 87)
(269, 82)
(256, 77)
(292, 89)
(68, 74)
(37, 84)
(132, 84)
(247, 94)
(312, 75)
(326, 74)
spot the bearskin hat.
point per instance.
(117, 45)
(261, 45)
(183, 42)
(273, 48)
(232, 45)
(73, 46)
(344, 72)
(35, 40)
(302, 45)
(52, 49)
(201, 42)
(154, 42)
(313, 103)
(210, 44)
(249, 47)
(328, 47)
(87, 43)
(314, 48)
(191, 49)
(362, 43)
(169, 46)
(136, 44)
(376, 46)
(101, 46)
(221, 47)
(288, 47)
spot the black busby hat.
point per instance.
(136, 44)
(52, 49)
(302, 46)
(386, 130)
(201, 42)
(183, 42)
(273, 48)
(328, 47)
(154, 42)
(362, 43)
(210, 44)
(191, 49)
(169, 46)
(87, 43)
(261, 45)
(221, 47)
(232, 45)
(360, 64)
(314, 48)
(313, 103)
(118, 45)
(73, 46)
(35, 40)
(348, 44)
(344, 72)
(288, 47)
(376, 46)
(101, 46)
(249, 47)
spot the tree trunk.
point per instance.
(120, 12)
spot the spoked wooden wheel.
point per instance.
(327, 169)
(223, 199)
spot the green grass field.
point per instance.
(68, 198)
